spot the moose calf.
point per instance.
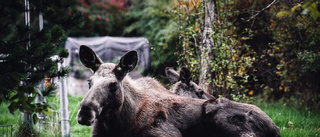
(223, 116)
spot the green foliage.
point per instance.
(8, 118)
(100, 18)
(229, 61)
(154, 20)
(77, 129)
(25, 130)
(151, 19)
(297, 49)
(310, 59)
(304, 20)
(19, 128)
(25, 54)
(285, 40)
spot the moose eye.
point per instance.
(89, 83)
(113, 86)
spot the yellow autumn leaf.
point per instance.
(295, 7)
(282, 14)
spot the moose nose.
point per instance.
(85, 115)
(83, 121)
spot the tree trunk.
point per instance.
(206, 46)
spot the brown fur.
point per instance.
(222, 116)
(134, 107)
(119, 106)
(183, 84)
(230, 118)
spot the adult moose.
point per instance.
(118, 106)
(183, 84)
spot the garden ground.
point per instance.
(292, 120)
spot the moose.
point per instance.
(119, 106)
(183, 84)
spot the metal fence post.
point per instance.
(64, 104)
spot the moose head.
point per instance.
(183, 84)
(105, 92)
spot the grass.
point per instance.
(49, 130)
(6, 118)
(77, 130)
(293, 121)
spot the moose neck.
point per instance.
(128, 104)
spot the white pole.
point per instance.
(64, 105)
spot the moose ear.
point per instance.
(211, 106)
(89, 58)
(126, 64)
(185, 75)
(172, 75)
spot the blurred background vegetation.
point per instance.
(265, 48)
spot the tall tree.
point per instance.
(24, 67)
(216, 55)
(207, 44)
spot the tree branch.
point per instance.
(253, 16)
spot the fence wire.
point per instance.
(6, 130)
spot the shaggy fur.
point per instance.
(119, 106)
(246, 120)
(225, 118)
(183, 84)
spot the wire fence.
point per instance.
(6, 130)
(49, 125)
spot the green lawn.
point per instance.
(304, 123)
(293, 121)
(6, 118)
(50, 130)
(77, 130)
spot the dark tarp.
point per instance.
(110, 49)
